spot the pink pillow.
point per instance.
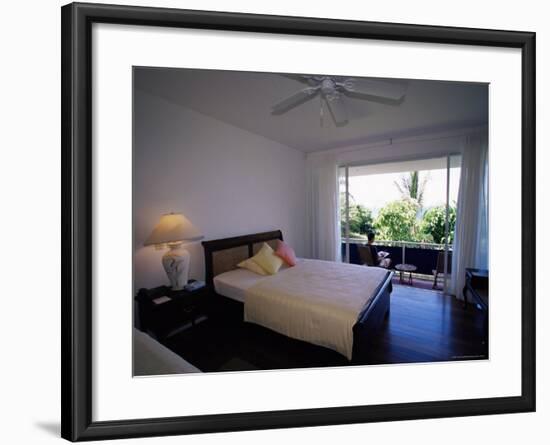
(286, 253)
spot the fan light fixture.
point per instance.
(334, 89)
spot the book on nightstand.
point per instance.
(161, 300)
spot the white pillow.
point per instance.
(267, 259)
(250, 265)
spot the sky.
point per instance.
(376, 190)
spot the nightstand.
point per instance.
(162, 311)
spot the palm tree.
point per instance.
(412, 187)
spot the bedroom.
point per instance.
(210, 147)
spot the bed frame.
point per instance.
(222, 255)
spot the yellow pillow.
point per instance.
(250, 265)
(267, 260)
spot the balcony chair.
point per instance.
(440, 266)
(365, 255)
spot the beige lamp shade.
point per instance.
(173, 228)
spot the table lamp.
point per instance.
(171, 232)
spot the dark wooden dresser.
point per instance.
(477, 286)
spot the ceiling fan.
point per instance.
(333, 91)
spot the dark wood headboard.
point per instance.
(234, 243)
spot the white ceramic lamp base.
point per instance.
(176, 264)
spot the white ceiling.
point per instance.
(244, 99)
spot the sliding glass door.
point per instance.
(408, 209)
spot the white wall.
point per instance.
(227, 181)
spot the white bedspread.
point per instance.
(233, 284)
(315, 301)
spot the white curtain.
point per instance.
(323, 220)
(471, 231)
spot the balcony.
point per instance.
(422, 255)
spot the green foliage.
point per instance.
(433, 224)
(397, 221)
(360, 218)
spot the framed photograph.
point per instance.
(275, 222)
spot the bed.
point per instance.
(338, 306)
(153, 358)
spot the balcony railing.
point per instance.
(422, 255)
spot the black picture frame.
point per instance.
(76, 129)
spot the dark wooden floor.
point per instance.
(423, 326)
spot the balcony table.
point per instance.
(405, 268)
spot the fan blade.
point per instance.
(299, 77)
(293, 101)
(338, 110)
(374, 88)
